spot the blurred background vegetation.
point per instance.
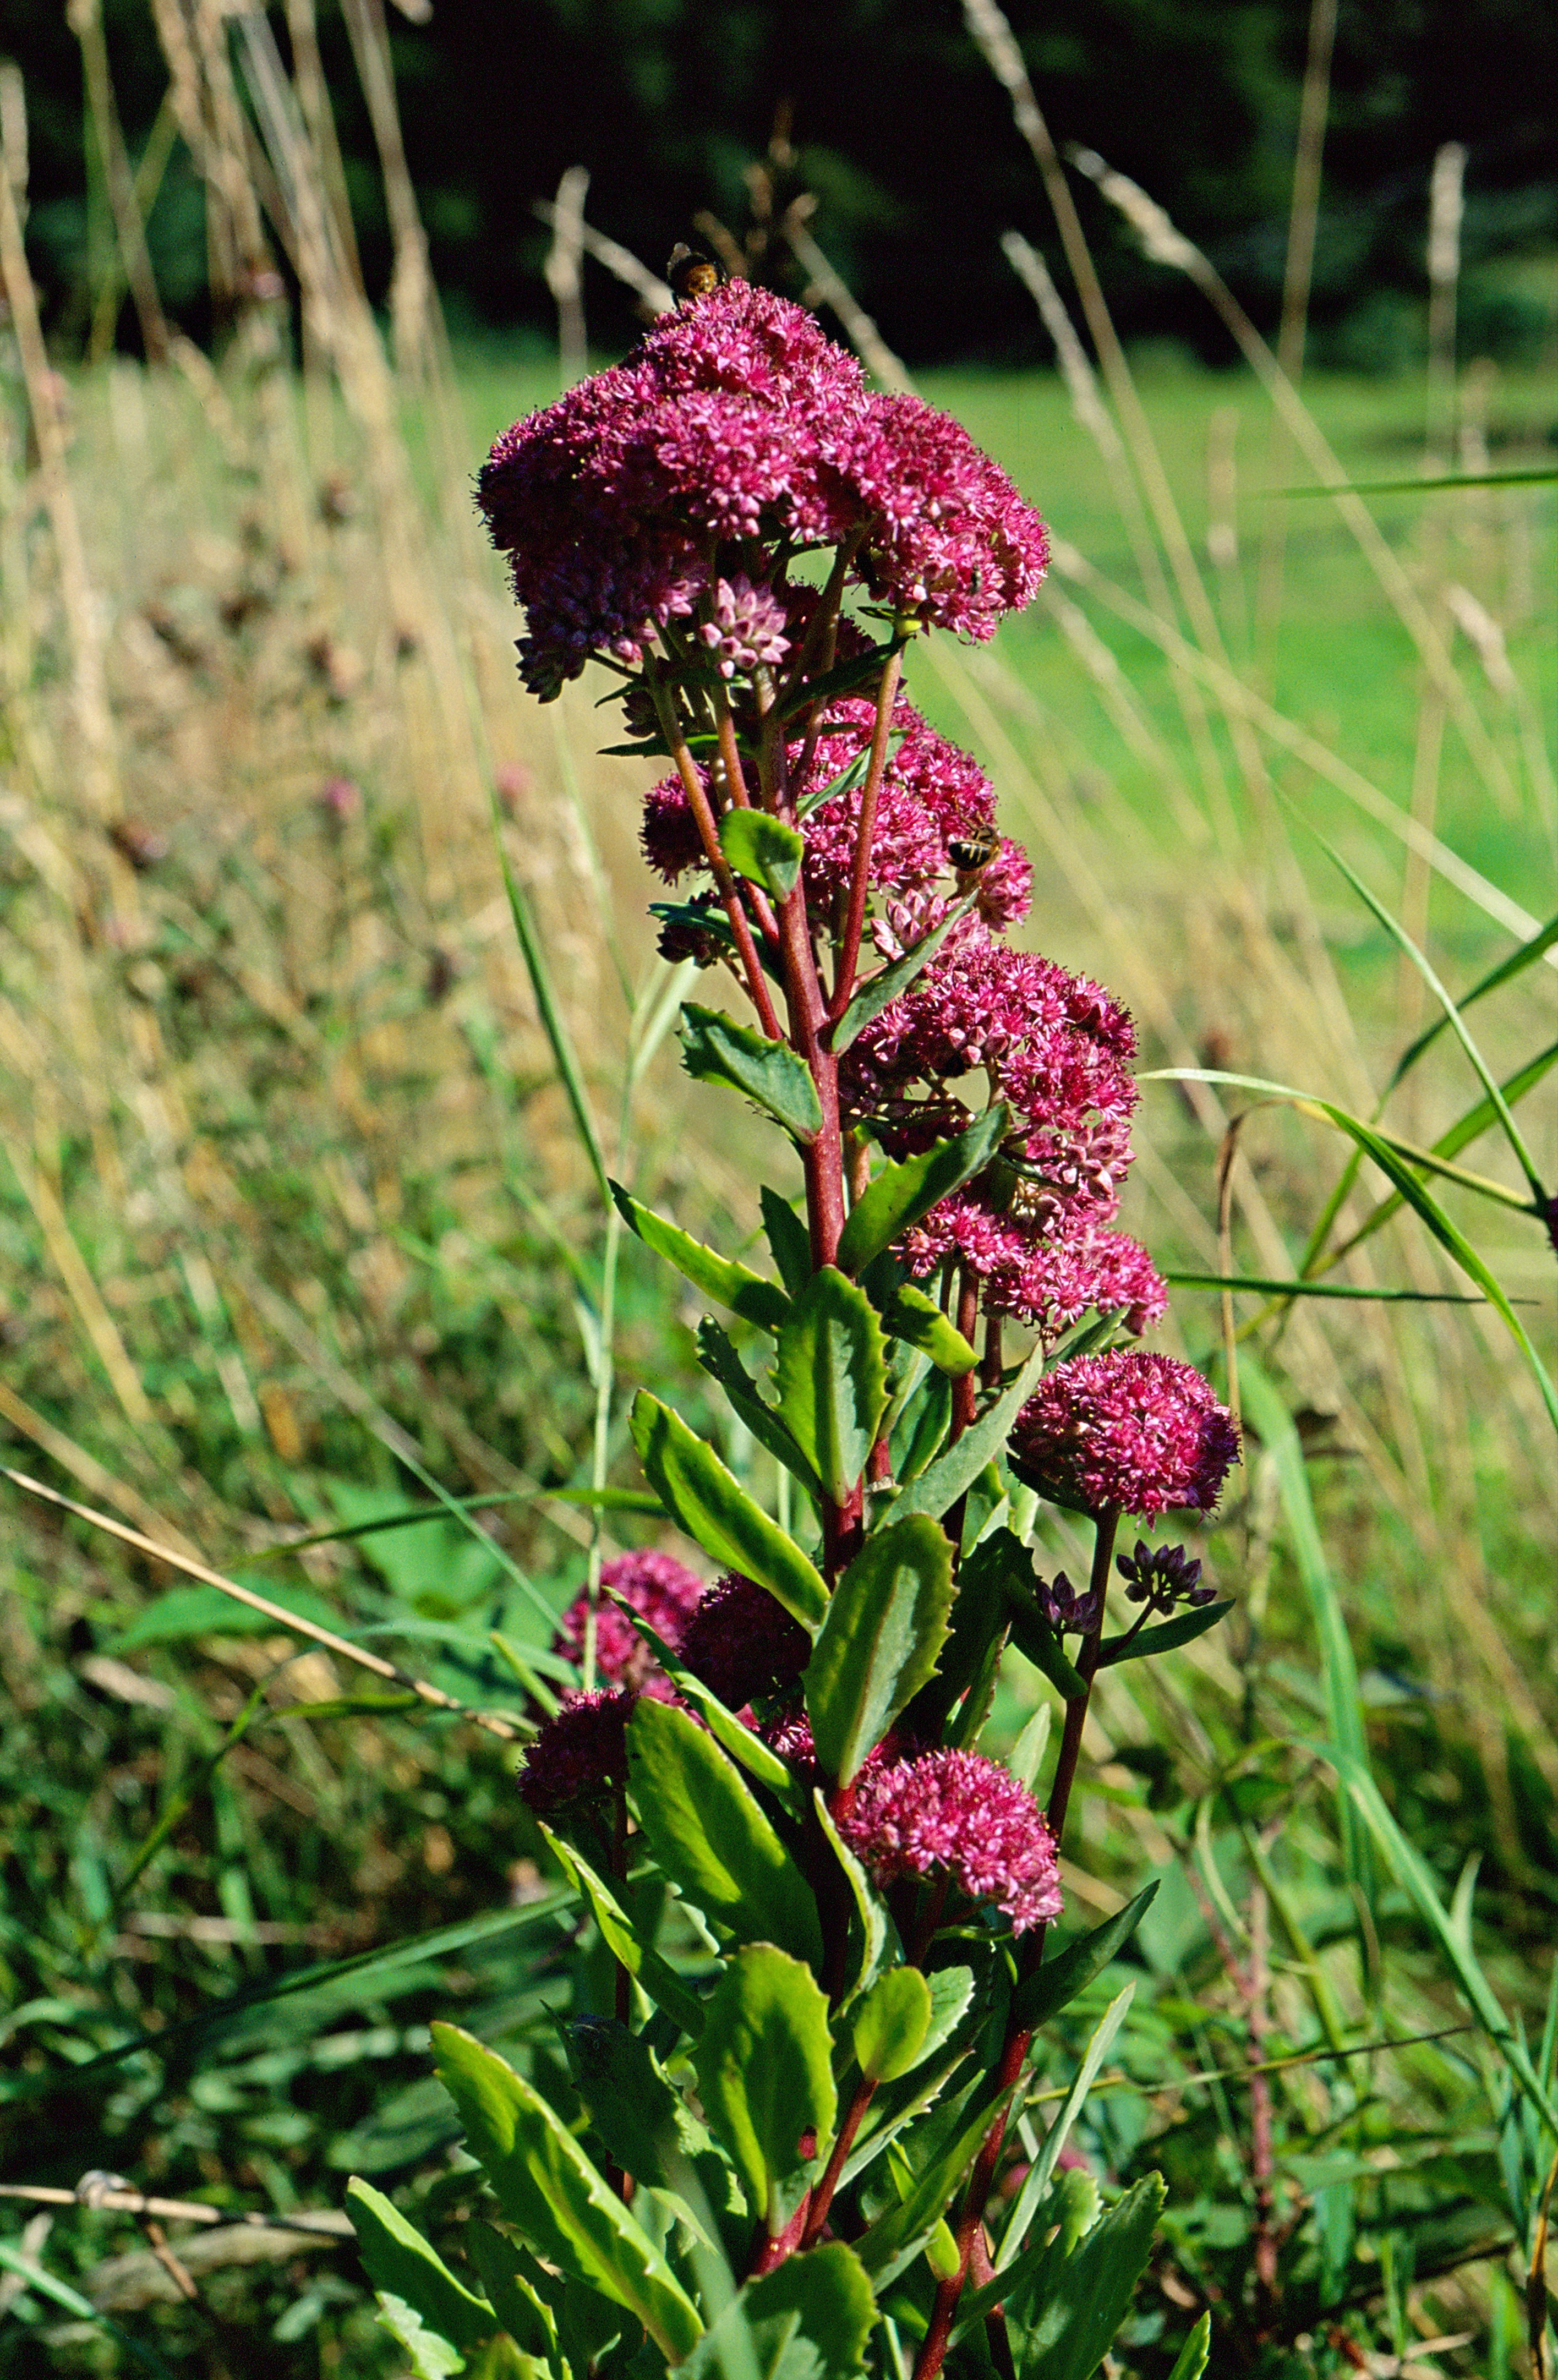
(295, 1226)
(900, 131)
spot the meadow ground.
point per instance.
(293, 1215)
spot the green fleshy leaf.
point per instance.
(1036, 2182)
(896, 2238)
(902, 1193)
(879, 1644)
(1196, 2354)
(765, 2076)
(920, 1429)
(710, 1833)
(642, 2121)
(1072, 2307)
(880, 991)
(810, 2319)
(431, 2356)
(953, 1473)
(617, 1931)
(735, 1285)
(876, 1925)
(832, 1372)
(548, 2187)
(717, 1513)
(749, 1751)
(716, 1352)
(762, 849)
(1054, 1984)
(403, 2264)
(517, 2302)
(891, 2025)
(717, 1050)
(1002, 1561)
(919, 1321)
(980, 1620)
(1182, 1630)
(789, 1241)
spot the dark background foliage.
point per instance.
(907, 140)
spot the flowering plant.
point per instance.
(825, 1911)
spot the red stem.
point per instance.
(719, 866)
(822, 2195)
(849, 957)
(1014, 2053)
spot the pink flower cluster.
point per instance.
(1056, 1049)
(735, 419)
(663, 1589)
(959, 1815)
(733, 1635)
(581, 1755)
(933, 798)
(743, 1645)
(1141, 1433)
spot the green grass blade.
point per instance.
(1449, 1144)
(1341, 1120)
(551, 1016)
(1251, 1282)
(1396, 1160)
(373, 1969)
(1279, 1437)
(1417, 1881)
(1539, 475)
(71, 2302)
(1452, 1018)
(1516, 964)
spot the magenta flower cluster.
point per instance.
(656, 1585)
(958, 1815)
(622, 506)
(1135, 1432)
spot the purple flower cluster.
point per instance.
(579, 1758)
(958, 1815)
(1141, 1433)
(1034, 1231)
(737, 419)
(933, 795)
(663, 1589)
(743, 1645)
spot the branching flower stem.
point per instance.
(719, 866)
(850, 955)
(1014, 2053)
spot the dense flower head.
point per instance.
(1141, 1432)
(737, 417)
(932, 794)
(1081, 1271)
(752, 342)
(958, 1814)
(1054, 1045)
(580, 1754)
(952, 543)
(663, 1589)
(742, 1644)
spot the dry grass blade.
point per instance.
(433, 1695)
